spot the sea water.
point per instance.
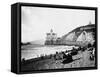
(34, 52)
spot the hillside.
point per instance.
(79, 35)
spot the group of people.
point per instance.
(67, 55)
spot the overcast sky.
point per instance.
(37, 21)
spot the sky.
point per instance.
(37, 21)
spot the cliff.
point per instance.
(79, 36)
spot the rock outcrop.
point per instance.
(79, 36)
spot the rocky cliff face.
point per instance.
(80, 35)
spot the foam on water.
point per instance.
(45, 50)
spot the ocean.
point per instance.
(33, 52)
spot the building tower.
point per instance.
(51, 38)
(90, 23)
